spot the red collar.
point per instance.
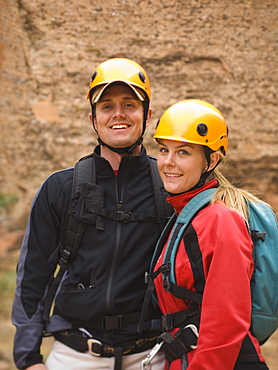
(179, 201)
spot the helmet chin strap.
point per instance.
(129, 149)
(205, 174)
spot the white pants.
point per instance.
(63, 357)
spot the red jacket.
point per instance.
(226, 307)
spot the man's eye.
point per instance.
(106, 107)
(129, 105)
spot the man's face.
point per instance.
(119, 117)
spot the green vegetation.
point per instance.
(6, 200)
(7, 287)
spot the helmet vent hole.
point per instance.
(142, 77)
(93, 76)
(202, 129)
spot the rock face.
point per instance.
(221, 51)
(224, 52)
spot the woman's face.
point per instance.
(180, 165)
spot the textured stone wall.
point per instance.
(221, 51)
(224, 52)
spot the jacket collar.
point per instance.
(136, 163)
(180, 200)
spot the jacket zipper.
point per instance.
(116, 255)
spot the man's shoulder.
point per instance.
(58, 180)
(61, 175)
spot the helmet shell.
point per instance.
(120, 70)
(194, 121)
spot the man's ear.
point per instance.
(214, 159)
(93, 121)
(149, 116)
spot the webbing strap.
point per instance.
(84, 171)
(73, 238)
(163, 208)
(147, 299)
(183, 293)
(173, 347)
(127, 217)
(73, 235)
(180, 318)
(149, 278)
(177, 345)
(118, 358)
(181, 226)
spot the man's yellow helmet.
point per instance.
(119, 70)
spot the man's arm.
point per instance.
(36, 266)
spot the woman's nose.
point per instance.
(169, 160)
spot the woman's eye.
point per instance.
(183, 152)
(163, 150)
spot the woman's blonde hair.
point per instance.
(233, 197)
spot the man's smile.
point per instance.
(119, 126)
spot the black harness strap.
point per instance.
(149, 278)
(127, 216)
(83, 171)
(160, 194)
(195, 257)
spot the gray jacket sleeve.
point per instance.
(37, 263)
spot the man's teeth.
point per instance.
(119, 126)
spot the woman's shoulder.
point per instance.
(219, 213)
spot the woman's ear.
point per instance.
(214, 159)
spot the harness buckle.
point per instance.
(122, 216)
(65, 255)
(112, 322)
(166, 284)
(93, 345)
(167, 322)
(166, 267)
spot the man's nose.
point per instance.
(119, 111)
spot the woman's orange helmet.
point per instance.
(194, 121)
